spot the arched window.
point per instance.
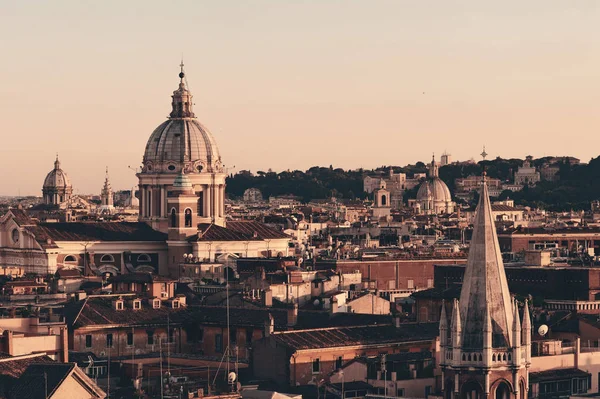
(173, 218)
(70, 258)
(188, 217)
(107, 258)
(383, 200)
(143, 258)
(502, 391)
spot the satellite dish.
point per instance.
(543, 330)
(231, 377)
(316, 302)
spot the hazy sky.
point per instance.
(293, 84)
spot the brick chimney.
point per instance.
(292, 315)
(64, 341)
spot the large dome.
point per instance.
(434, 189)
(57, 178)
(181, 142)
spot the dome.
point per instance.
(181, 142)
(434, 189)
(57, 178)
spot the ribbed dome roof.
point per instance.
(181, 142)
(435, 189)
(57, 178)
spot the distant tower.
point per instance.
(107, 195)
(382, 204)
(446, 159)
(57, 186)
(485, 348)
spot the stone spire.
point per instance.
(484, 286)
(107, 194)
(182, 99)
(443, 326)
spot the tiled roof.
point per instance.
(104, 231)
(250, 227)
(21, 217)
(140, 277)
(11, 369)
(68, 273)
(557, 374)
(24, 283)
(99, 311)
(40, 380)
(504, 208)
(351, 336)
(237, 231)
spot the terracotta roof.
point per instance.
(41, 378)
(104, 231)
(24, 283)
(361, 335)
(504, 208)
(11, 369)
(140, 277)
(250, 227)
(68, 273)
(237, 231)
(21, 217)
(557, 374)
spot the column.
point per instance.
(150, 193)
(163, 201)
(222, 200)
(207, 199)
(142, 201)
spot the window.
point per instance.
(171, 336)
(175, 304)
(219, 343)
(156, 304)
(173, 218)
(137, 304)
(109, 340)
(249, 333)
(129, 339)
(107, 258)
(15, 236)
(150, 337)
(338, 362)
(119, 305)
(188, 217)
(316, 366)
(88, 341)
(429, 283)
(411, 284)
(232, 335)
(400, 392)
(143, 258)
(70, 258)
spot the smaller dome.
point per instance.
(435, 189)
(182, 182)
(57, 178)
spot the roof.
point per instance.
(452, 292)
(99, 311)
(504, 208)
(237, 231)
(21, 218)
(68, 273)
(140, 277)
(24, 283)
(11, 368)
(92, 231)
(557, 374)
(41, 380)
(361, 335)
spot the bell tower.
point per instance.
(486, 352)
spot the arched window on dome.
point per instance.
(188, 217)
(143, 258)
(173, 218)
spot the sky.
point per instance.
(292, 84)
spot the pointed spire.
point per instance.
(57, 162)
(526, 324)
(485, 288)
(516, 329)
(443, 325)
(456, 325)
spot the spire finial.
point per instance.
(182, 73)
(483, 155)
(57, 162)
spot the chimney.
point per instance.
(334, 306)
(292, 315)
(64, 340)
(269, 326)
(9, 341)
(267, 297)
